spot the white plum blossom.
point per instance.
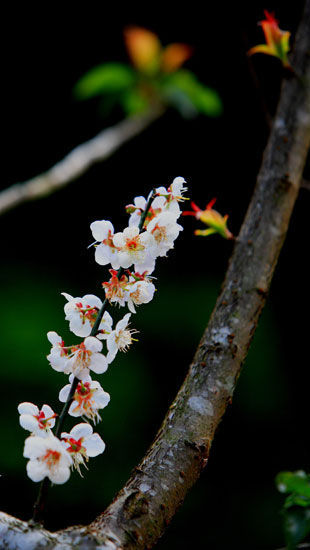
(82, 443)
(177, 189)
(85, 357)
(173, 195)
(48, 458)
(140, 292)
(165, 230)
(121, 338)
(106, 251)
(59, 353)
(133, 247)
(78, 359)
(139, 206)
(38, 422)
(82, 313)
(116, 289)
(89, 397)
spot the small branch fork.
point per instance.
(77, 162)
(140, 513)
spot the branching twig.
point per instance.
(141, 511)
(77, 162)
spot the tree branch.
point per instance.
(141, 511)
(77, 162)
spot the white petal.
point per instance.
(75, 409)
(100, 229)
(112, 354)
(93, 344)
(67, 296)
(34, 447)
(162, 191)
(57, 363)
(111, 342)
(123, 322)
(48, 411)
(64, 392)
(140, 202)
(81, 373)
(54, 338)
(99, 363)
(36, 470)
(131, 232)
(92, 301)
(125, 260)
(147, 265)
(118, 240)
(59, 475)
(101, 254)
(94, 445)
(27, 408)
(78, 328)
(28, 422)
(102, 399)
(81, 430)
(131, 307)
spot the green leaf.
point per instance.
(294, 482)
(296, 526)
(297, 500)
(110, 77)
(133, 101)
(204, 99)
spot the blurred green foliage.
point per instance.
(157, 80)
(296, 508)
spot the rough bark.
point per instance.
(141, 511)
(77, 162)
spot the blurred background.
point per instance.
(44, 252)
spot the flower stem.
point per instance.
(39, 506)
(145, 212)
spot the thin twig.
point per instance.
(77, 162)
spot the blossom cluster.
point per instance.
(132, 253)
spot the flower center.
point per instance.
(43, 422)
(51, 458)
(76, 445)
(115, 287)
(136, 296)
(160, 233)
(124, 339)
(133, 245)
(87, 312)
(82, 356)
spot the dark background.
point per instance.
(44, 252)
